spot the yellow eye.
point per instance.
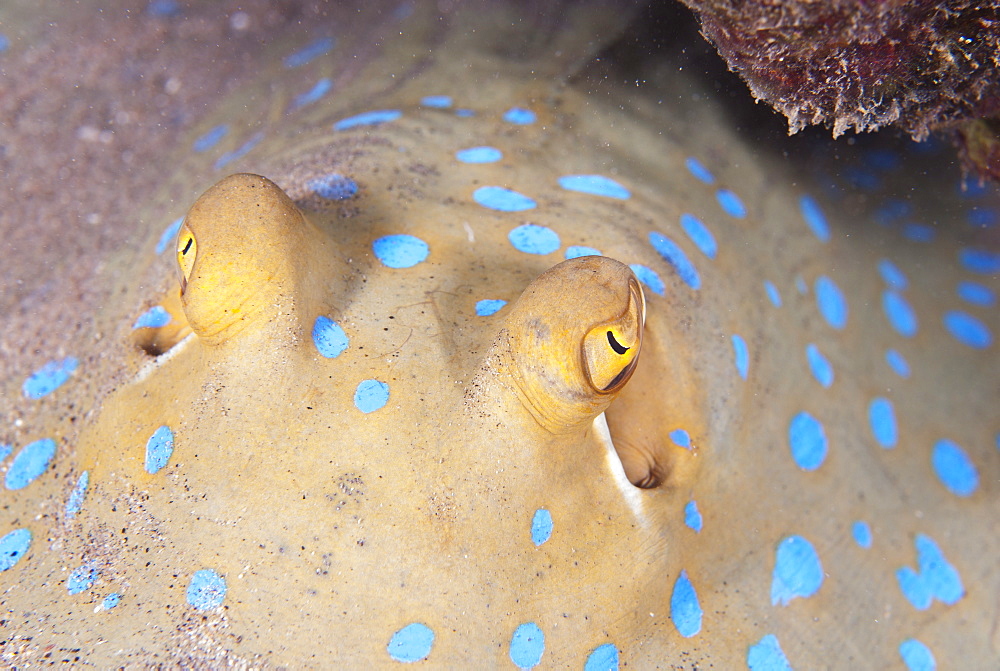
(610, 350)
(187, 251)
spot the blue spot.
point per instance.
(897, 363)
(5, 450)
(464, 113)
(49, 377)
(489, 306)
(814, 217)
(862, 534)
(685, 610)
(860, 178)
(153, 318)
(934, 578)
(502, 200)
(954, 468)
(772, 293)
(699, 171)
(977, 294)
(675, 256)
(883, 159)
(110, 601)
(75, 500)
(891, 211)
(13, 546)
(333, 186)
(319, 89)
(597, 185)
(533, 239)
(411, 643)
(159, 447)
(649, 277)
(918, 233)
(541, 526)
(211, 138)
(168, 235)
(808, 441)
(882, 419)
(437, 102)
(479, 155)
(4, 43)
(742, 355)
(372, 118)
(602, 658)
(239, 152)
(982, 217)
(29, 463)
(967, 330)
(329, 337)
(681, 438)
(371, 395)
(916, 655)
(520, 116)
(899, 313)
(820, 367)
(699, 234)
(731, 203)
(767, 655)
(800, 285)
(797, 571)
(163, 8)
(576, 251)
(831, 302)
(980, 261)
(311, 51)
(81, 579)
(400, 251)
(692, 516)
(892, 275)
(206, 590)
(527, 645)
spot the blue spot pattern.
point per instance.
(602, 658)
(159, 447)
(731, 203)
(4, 43)
(437, 102)
(534, 239)
(169, 234)
(13, 546)
(916, 655)
(153, 318)
(489, 306)
(49, 377)
(797, 571)
(918, 233)
(163, 8)
(975, 293)
(862, 534)
(741, 355)
(807, 440)
(239, 152)
(980, 260)
(882, 420)
(685, 611)
(400, 251)
(892, 275)
(814, 217)
(333, 186)
(75, 500)
(681, 438)
(597, 185)
(373, 118)
(329, 337)
(211, 138)
(371, 395)
(772, 293)
(676, 257)
(831, 302)
(698, 171)
(819, 365)
(954, 468)
(576, 251)
(541, 526)
(934, 578)
(897, 363)
(699, 234)
(30, 463)
(519, 116)
(5, 450)
(899, 313)
(110, 601)
(81, 579)
(527, 646)
(411, 643)
(319, 89)
(479, 155)
(767, 655)
(800, 285)
(967, 330)
(692, 516)
(503, 200)
(649, 277)
(310, 52)
(207, 590)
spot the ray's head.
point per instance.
(572, 340)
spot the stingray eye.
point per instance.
(610, 350)
(187, 250)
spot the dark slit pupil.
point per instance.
(188, 246)
(620, 349)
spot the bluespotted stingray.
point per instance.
(485, 369)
